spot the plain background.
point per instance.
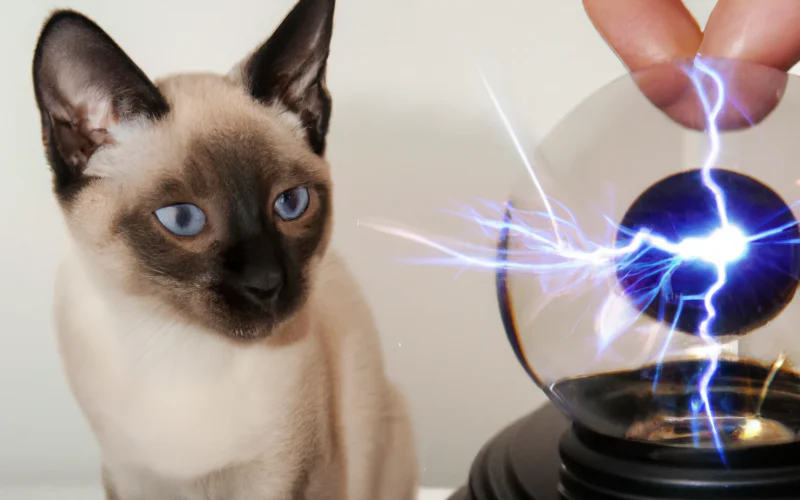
(413, 132)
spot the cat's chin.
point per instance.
(244, 330)
(251, 333)
(236, 320)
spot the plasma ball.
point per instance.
(707, 252)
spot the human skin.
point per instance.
(751, 43)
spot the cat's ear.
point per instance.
(86, 86)
(289, 68)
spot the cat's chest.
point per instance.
(161, 395)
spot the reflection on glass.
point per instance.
(649, 258)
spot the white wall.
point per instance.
(413, 131)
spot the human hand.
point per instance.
(647, 34)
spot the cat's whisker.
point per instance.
(147, 318)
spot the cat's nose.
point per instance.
(262, 285)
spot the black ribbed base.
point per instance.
(519, 463)
(524, 462)
(597, 467)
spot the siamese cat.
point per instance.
(218, 349)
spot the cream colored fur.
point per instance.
(185, 414)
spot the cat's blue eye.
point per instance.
(182, 219)
(293, 203)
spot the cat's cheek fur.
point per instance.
(174, 399)
(184, 413)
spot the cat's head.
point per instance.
(209, 193)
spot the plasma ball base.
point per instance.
(529, 461)
(753, 405)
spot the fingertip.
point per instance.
(644, 33)
(759, 32)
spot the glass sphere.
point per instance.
(650, 258)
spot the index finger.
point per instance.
(646, 32)
(761, 32)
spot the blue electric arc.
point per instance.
(649, 262)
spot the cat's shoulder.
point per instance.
(338, 296)
(337, 283)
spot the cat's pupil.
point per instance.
(183, 216)
(290, 200)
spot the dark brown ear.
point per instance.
(85, 86)
(289, 68)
